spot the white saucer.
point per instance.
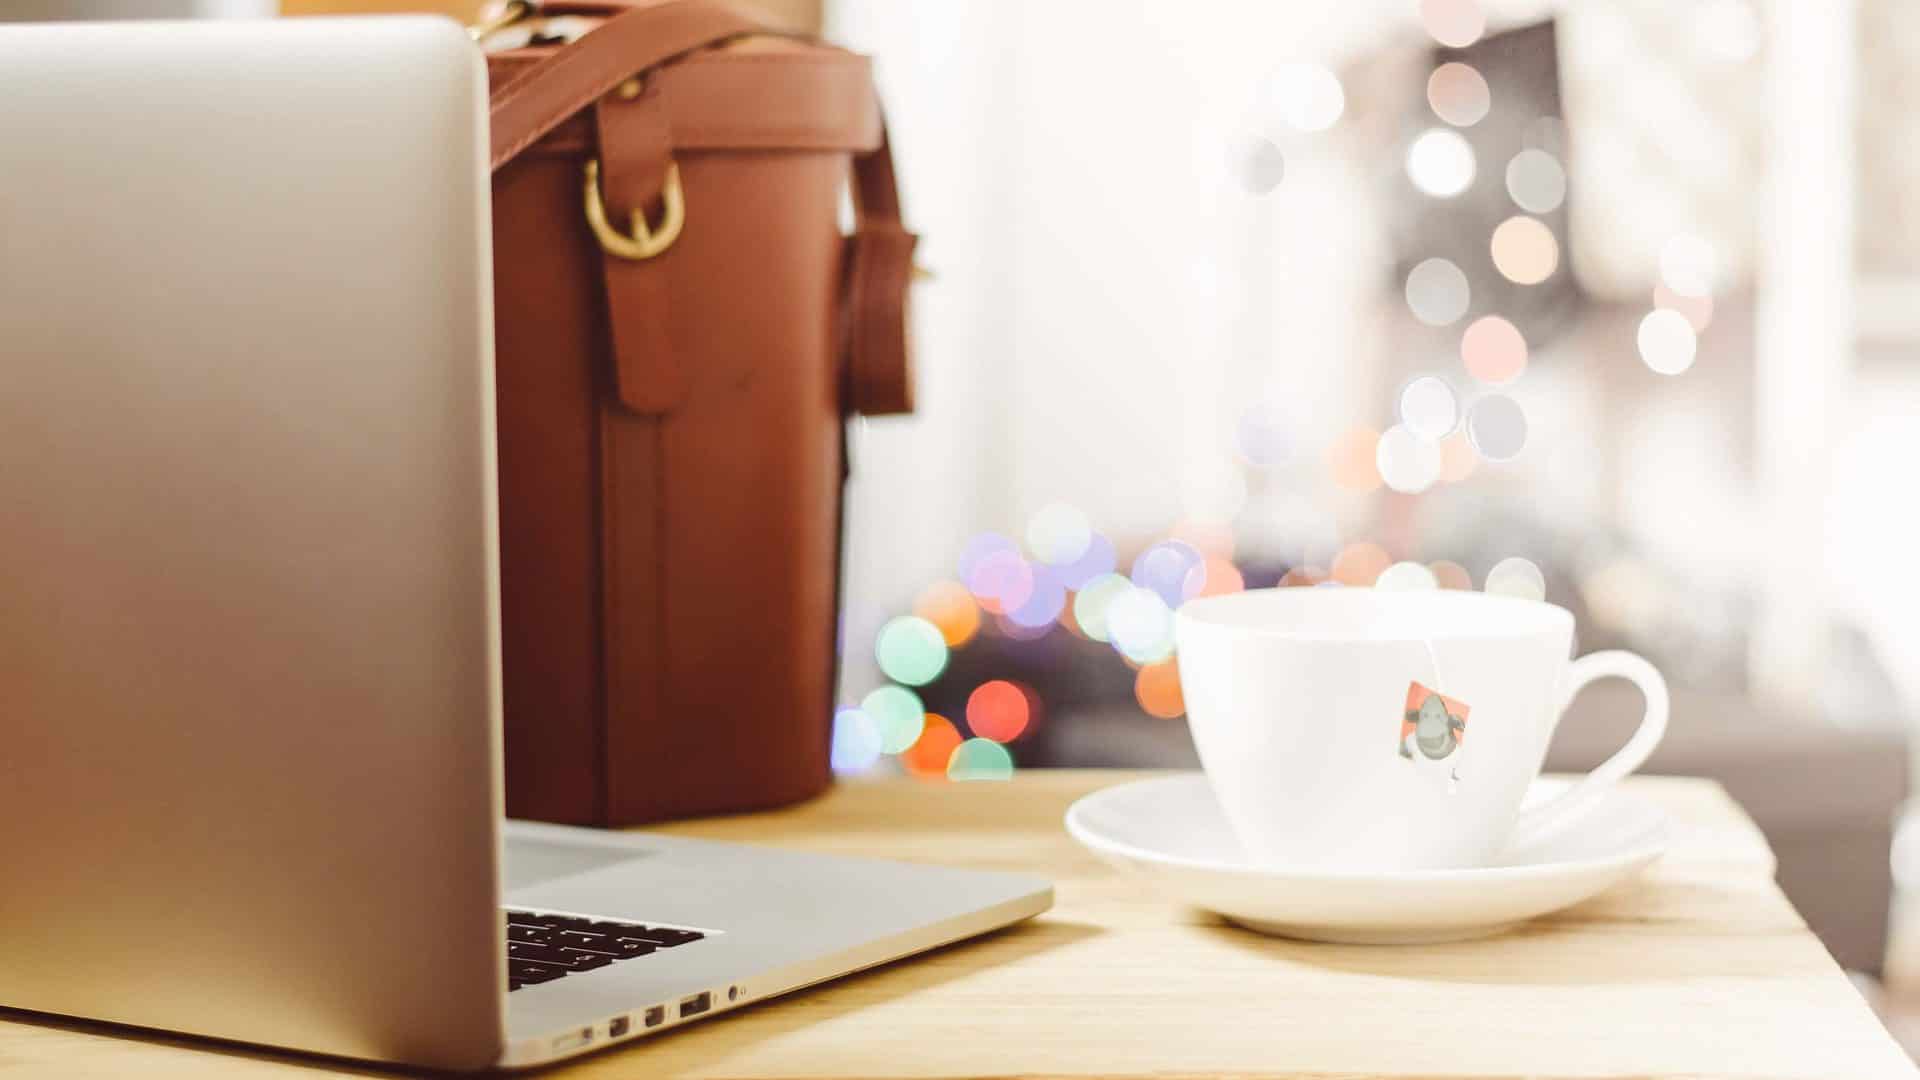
(1171, 830)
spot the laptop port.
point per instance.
(656, 1016)
(618, 1027)
(696, 1004)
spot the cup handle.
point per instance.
(1574, 803)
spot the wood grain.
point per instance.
(1698, 969)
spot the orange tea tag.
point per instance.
(1433, 726)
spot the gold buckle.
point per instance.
(644, 243)
(511, 12)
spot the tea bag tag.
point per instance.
(1433, 727)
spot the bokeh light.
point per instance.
(1524, 250)
(1493, 350)
(1453, 23)
(856, 741)
(1688, 265)
(997, 710)
(1214, 577)
(897, 715)
(1437, 292)
(1352, 459)
(1256, 163)
(1043, 605)
(911, 650)
(1140, 625)
(1408, 463)
(1623, 591)
(1450, 575)
(1098, 559)
(1068, 620)
(1164, 566)
(1440, 163)
(1090, 604)
(1301, 576)
(1157, 688)
(1305, 97)
(980, 547)
(1536, 181)
(1428, 407)
(1458, 94)
(1017, 632)
(1261, 436)
(929, 754)
(1058, 534)
(980, 759)
(1406, 577)
(950, 608)
(1667, 342)
(1360, 563)
(1458, 458)
(1517, 577)
(1498, 427)
(1697, 309)
(1001, 581)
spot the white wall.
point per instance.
(1108, 301)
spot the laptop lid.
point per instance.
(249, 683)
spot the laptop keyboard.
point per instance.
(542, 948)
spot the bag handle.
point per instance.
(880, 272)
(634, 38)
(642, 34)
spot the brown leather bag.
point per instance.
(682, 328)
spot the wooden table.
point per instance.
(1700, 968)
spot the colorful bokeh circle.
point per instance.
(998, 710)
(911, 650)
(897, 715)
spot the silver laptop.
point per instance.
(250, 773)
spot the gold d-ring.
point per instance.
(509, 13)
(644, 243)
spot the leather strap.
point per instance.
(879, 281)
(634, 39)
(785, 97)
(635, 140)
(636, 150)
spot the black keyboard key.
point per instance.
(541, 948)
(545, 954)
(580, 960)
(616, 929)
(659, 935)
(665, 937)
(614, 947)
(528, 971)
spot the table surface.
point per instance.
(1698, 968)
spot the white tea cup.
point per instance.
(1353, 728)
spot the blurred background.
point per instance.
(1610, 302)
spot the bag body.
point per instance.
(673, 380)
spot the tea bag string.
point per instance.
(1439, 686)
(1433, 660)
